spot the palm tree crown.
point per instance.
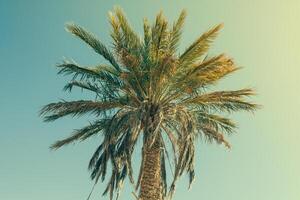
(149, 91)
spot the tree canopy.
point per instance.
(146, 83)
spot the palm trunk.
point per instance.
(151, 177)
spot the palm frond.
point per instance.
(81, 134)
(212, 135)
(83, 85)
(75, 108)
(115, 34)
(147, 39)
(214, 72)
(101, 72)
(131, 41)
(207, 71)
(216, 121)
(174, 141)
(224, 101)
(106, 81)
(91, 40)
(199, 47)
(117, 147)
(160, 35)
(176, 32)
(163, 173)
(185, 161)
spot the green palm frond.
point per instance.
(81, 134)
(94, 43)
(131, 41)
(102, 72)
(55, 111)
(83, 85)
(147, 39)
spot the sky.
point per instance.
(261, 35)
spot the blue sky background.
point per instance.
(262, 36)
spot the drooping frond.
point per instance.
(185, 161)
(117, 147)
(81, 134)
(173, 139)
(213, 135)
(216, 121)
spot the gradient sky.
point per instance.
(262, 36)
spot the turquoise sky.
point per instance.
(262, 36)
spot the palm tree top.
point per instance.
(148, 90)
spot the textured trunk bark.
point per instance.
(151, 177)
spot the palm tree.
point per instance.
(149, 91)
